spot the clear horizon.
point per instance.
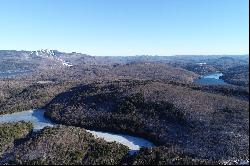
(127, 27)
(246, 54)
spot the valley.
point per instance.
(191, 108)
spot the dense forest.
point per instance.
(9, 132)
(163, 113)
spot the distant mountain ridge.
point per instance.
(44, 58)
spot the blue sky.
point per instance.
(126, 27)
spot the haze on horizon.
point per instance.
(126, 27)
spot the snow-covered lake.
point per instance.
(39, 122)
(211, 79)
(34, 116)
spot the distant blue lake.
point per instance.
(10, 74)
(211, 79)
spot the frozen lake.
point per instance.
(34, 116)
(211, 79)
(39, 122)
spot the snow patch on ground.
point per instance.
(201, 63)
(235, 162)
(44, 82)
(67, 64)
(50, 54)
